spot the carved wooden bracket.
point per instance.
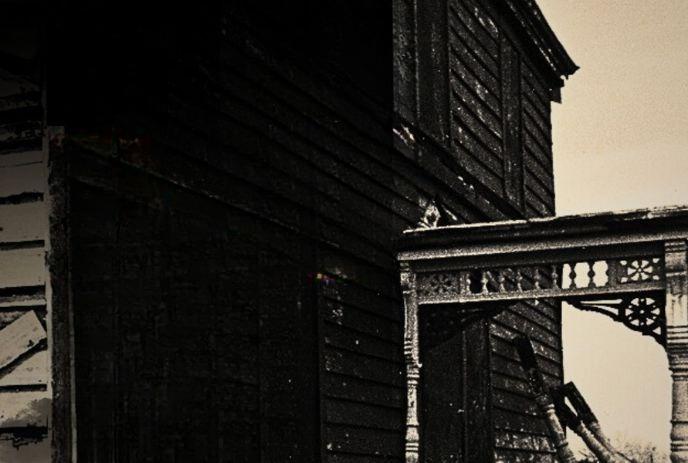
(630, 266)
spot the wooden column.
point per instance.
(677, 344)
(412, 357)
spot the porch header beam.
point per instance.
(644, 224)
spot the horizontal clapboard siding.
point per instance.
(274, 163)
(22, 222)
(500, 108)
(475, 93)
(537, 143)
(225, 196)
(515, 409)
(481, 53)
(21, 179)
(22, 267)
(167, 354)
(362, 380)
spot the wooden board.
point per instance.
(22, 179)
(22, 267)
(20, 337)
(21, 159)
(34, 452)
(32, 371)
(22, 222)
(24, 409)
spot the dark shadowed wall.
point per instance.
(236, 180)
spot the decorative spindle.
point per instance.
(519, 280)
(483, 281)
(500, 279)
(572, 275)
(465, 285)
(555, 277)
(536, 278)
(611, 272)
(591, 274)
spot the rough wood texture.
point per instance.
(489, 59)
(25, 397)
(231, 207)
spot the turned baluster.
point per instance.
(519, 280)
(591, 274)
(501, 278)
(572, 276)
(536, 278)
(555, 277)
(484, 279)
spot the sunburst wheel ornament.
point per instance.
(443, 283)
(639, 270)
(438, 284)
(642, 312)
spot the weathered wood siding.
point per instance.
(236, 190)
(477, 110)
(536, 136)
(204, 226)
(472, 80)
(500, 108)
(502, 135)
(25, 394)
(520, 434)
(519, 431)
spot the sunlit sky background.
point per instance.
(621, 142)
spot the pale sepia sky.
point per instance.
(621, 142)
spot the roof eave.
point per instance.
(533, 23)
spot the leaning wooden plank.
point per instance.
(19, 337)
(10, 315)
(19, 409)
(571, 392)
(23, 222)
(569, 419)
(22, 179)
(22, 267)
(30, 372)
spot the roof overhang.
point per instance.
(534, 29)
(642, 225)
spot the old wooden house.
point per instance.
(199, 214)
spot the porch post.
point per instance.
(677, 344)
(412, 358)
